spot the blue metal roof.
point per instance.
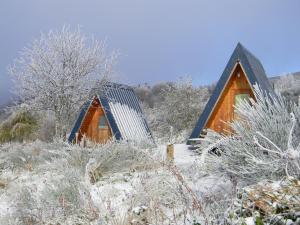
(254, 72)
(122, 110)
(82, 113)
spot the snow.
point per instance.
(122, 188)
(249, 221)
(112, 193)
(293, 154)
(137, 210)
(183, 156)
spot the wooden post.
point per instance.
(76, 138)
(84, 141)
(170, 152)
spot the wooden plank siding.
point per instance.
(90, 125)
(224, 109)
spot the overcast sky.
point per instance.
(161, 40)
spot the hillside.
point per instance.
(273, 79)
(114, 184)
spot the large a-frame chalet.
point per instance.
(242, 72)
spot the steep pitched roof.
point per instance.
(122, 110)
(254, 72)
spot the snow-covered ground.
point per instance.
(183, 156)
(51, 183)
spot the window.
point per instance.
(102, 122)
(240, 98)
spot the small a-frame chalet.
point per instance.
(236, 83)
(112, 113)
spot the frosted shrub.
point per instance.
(20, 126)
(111, 184)
(265, 143)
(55, 180)
(177, 110)
(67, 196)
(25, 207)
(169, 194)
(287, 83)
(46, 130)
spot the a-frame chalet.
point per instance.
(113, 113)
(241, 72)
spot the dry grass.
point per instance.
(3, 184)
(19, 126)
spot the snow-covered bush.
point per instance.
(287, 82)
(46, 131)
(53, 182)
(20, 126)
(267, 202)
(174, 114)
(112, 184)
(289, 86)
(57, 71)
(265, 143)
(25, 125)
(171, 194)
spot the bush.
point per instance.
(176, 110)
(54, 180)
(20, 126)
(46, 130)
(265, 144)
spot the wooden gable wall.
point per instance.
(224, 109)
(90, 125)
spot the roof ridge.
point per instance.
(248, 52)
(116, 85)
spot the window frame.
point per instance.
(102, 122)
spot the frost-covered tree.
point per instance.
(265, 143)
(182, 104)
(289, 86)
(178, 109)
(152, 96)
(287, 82)
(56, 72)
